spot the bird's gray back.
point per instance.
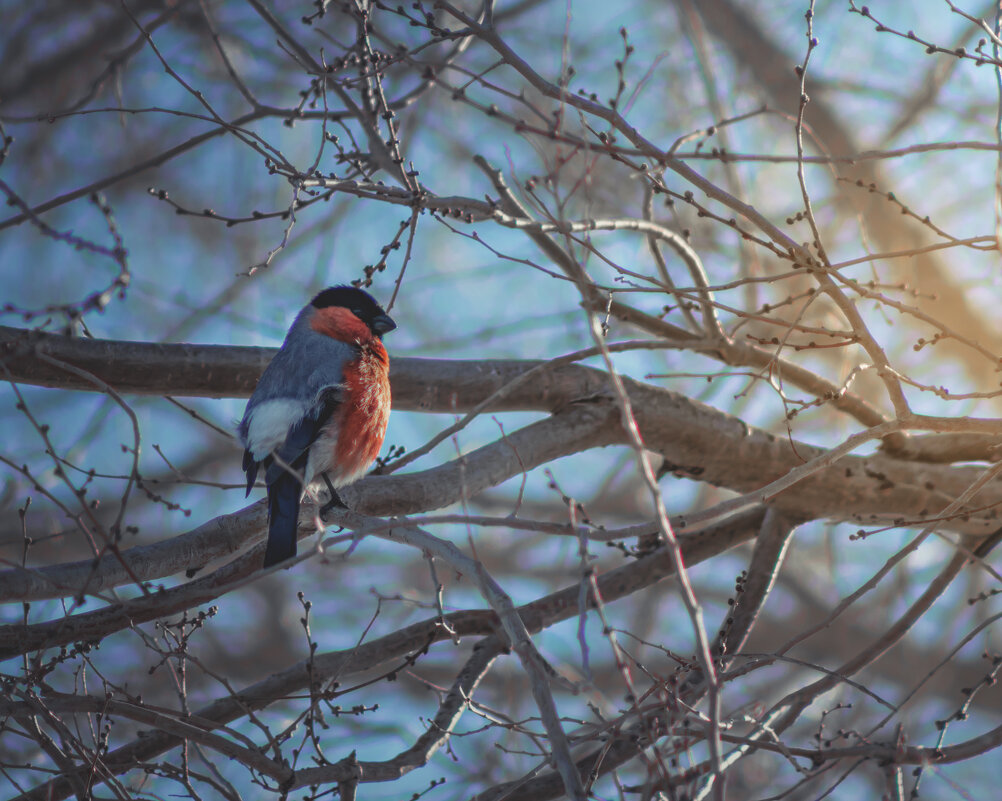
(307, 363)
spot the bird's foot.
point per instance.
(335, 501)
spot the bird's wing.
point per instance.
(294, 451)
(250, 468)
(283, 474)
(295, 398)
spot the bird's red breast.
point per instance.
(366, 411)
(361, 421)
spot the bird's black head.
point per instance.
(358, 302)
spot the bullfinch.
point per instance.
(320, 408)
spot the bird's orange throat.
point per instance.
(339, 323)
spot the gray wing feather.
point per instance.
(307, 373)
(305, 367)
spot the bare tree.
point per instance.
(692, 476)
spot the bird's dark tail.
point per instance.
(283, 518)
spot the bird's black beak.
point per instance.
(382, 324)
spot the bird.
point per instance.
(319, 410)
